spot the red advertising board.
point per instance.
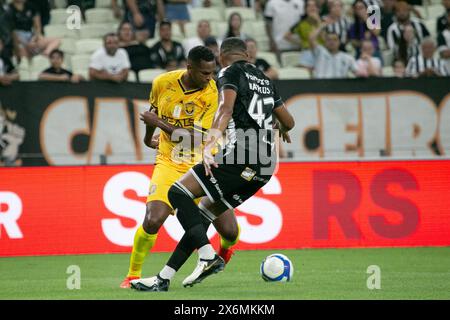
(96, 209)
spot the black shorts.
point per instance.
(231, 184)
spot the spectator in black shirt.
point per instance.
(10, 44)
(28, 30)
(56, 72)
(43, 8)
(7, 72)
(138, 53)
(442, 21)
(387, 16)
(261, 64)
(166, 53)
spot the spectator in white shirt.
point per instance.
(203, 32)
(367, 65)
(425, 64)
(280, 16)
(329, 61)
(110, 63)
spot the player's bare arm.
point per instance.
(151, 119)
(223, 116)
(285, 122)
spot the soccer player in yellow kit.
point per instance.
(183, 105)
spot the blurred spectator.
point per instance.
(176, 11)
(56, 72)
(443, 21)
(203, 32)
(280, 16)
(323, 7)
(300, 33)
(109, 62)
(166, 53)
(330, 61)
(408, 45)
(28, 30)
(368, 65)
(143, 14)
(212, 44)
(7, 72)
(10, 43)
(235, 26)
(399, 68)
(337, 22)
(359, 31)
(138, 53)
(444, 43)
(425, 64)
(387, 16)
(43, 8)
(261, 64)
(117, 9)
(405, 45)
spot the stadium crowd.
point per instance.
(135, 40)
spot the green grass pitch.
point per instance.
(406, 273)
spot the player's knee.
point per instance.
(174, 195)
(153, 221)
(230, 232)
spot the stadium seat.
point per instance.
(220, 4)
(80, 61)
(82, 72)
(388, 71)
(151, 42)
(422, 11)
(191, 29)
(132, 76)
(293, 73)
(39, 63)
(58, 16)
(431, 27)
(290, 59)
(270, 57)
(24, 65)
(435, 11)
(246, 13)
(68, 45)
(382, 43)
(177, 35)
(221, 29)
(60, 4)
(99, 15)
(258, 28)
(147, 75)
(87, 46)
(60, 31)
(34, 75)
(24, 75)
(103, 3)
(263, 44)
(388, 57)
(210, 14)
(97, 30)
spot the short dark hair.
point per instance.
(210, 41)
(165, 23)
(233, 45)
(199, 53)
(56, 51)
(249, 39)
(110, 34)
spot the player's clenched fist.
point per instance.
(149, 118)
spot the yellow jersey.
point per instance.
(185, 109)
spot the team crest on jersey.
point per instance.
(189, 108)
(248, 174)
(176, 111)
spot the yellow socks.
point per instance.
(225, 244)
(143, 242)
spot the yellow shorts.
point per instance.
(163, 177)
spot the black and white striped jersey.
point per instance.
(340, 27)
(418, 64)
(251, 125)
(394, 34)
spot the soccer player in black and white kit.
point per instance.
(249, 109)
